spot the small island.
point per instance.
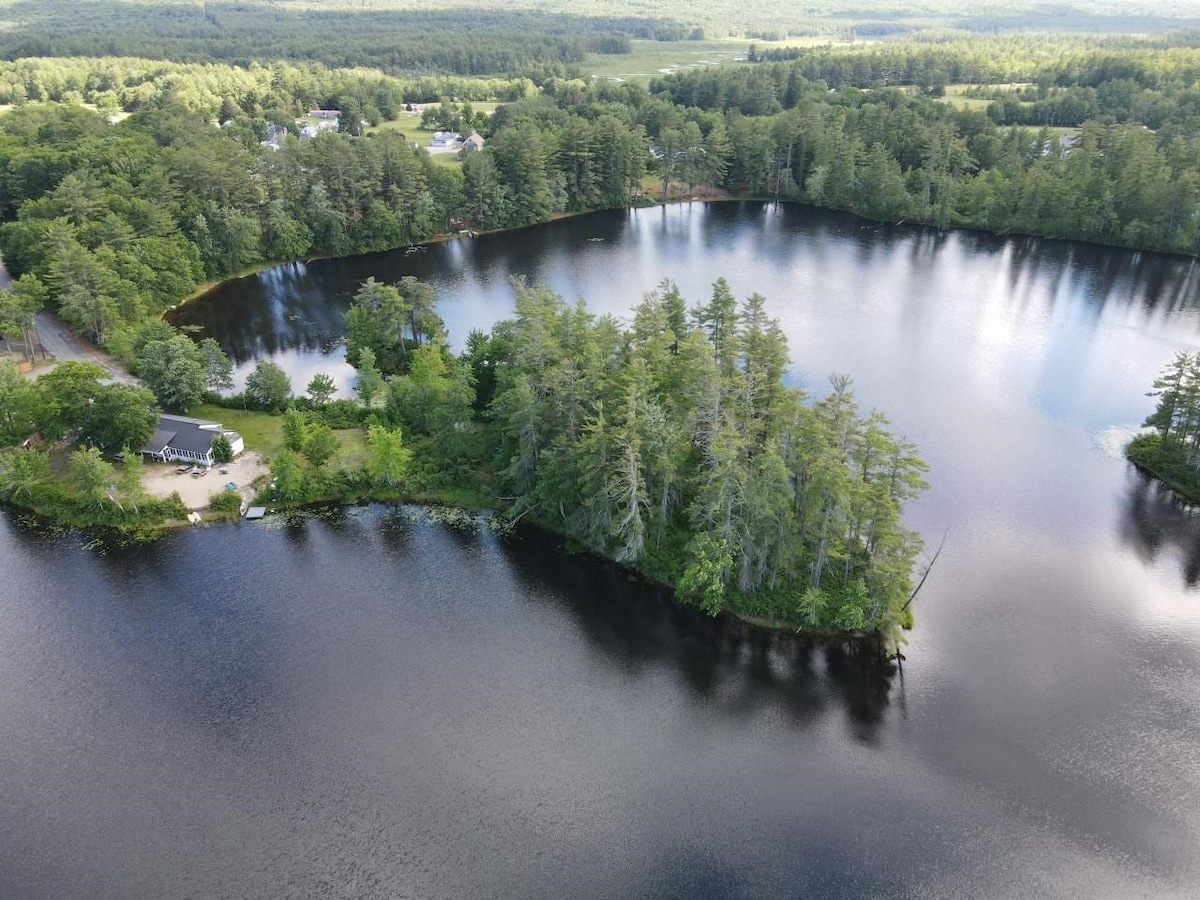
(1171, 452)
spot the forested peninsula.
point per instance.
(672, 445)
(1171, 450)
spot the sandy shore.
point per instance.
(160, 479)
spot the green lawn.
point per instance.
(261, 431)
(408, 123)
(954, 94)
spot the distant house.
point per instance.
(326, 114)
(445, 140)
(188, 440)
(472, 143)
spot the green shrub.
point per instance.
(225, 501)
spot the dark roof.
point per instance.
(184, 433)
(159, 440)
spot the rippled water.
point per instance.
(367, 704)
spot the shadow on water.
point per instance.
(726, 665)
(1155, 520)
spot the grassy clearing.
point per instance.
(259, 430)
(652, 58)
(954, 95)
(967, 102)
(963, 88)
(410, 122)
(407, 123)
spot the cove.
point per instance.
(365, 703)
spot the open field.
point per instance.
(652, 58)
(954, 95)
(261, 431)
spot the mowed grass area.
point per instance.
(263, 432)
(407, 123)
(259, 430)
(410, 122)
(967, 102)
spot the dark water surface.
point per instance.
(366, 704)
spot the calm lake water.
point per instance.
(368, 704)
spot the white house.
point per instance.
(188, 440)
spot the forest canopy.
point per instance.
(673, 445)
(478, 41)
(473, 37)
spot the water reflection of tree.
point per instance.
(725, 665)
(1154, 520)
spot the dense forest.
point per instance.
(481, 41)
(672, 445)
(675, 446)
(472, 37)
(111, 223)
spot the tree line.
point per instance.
(114, 223)
(277, 91)
(893, 154)
(477, 41)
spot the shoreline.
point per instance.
(209, 286)
(756, 624)
(873, 640)
(1185, 493)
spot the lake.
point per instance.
(366, 703)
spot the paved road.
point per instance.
(62, 343)
(58, 340)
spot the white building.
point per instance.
(188, 440)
